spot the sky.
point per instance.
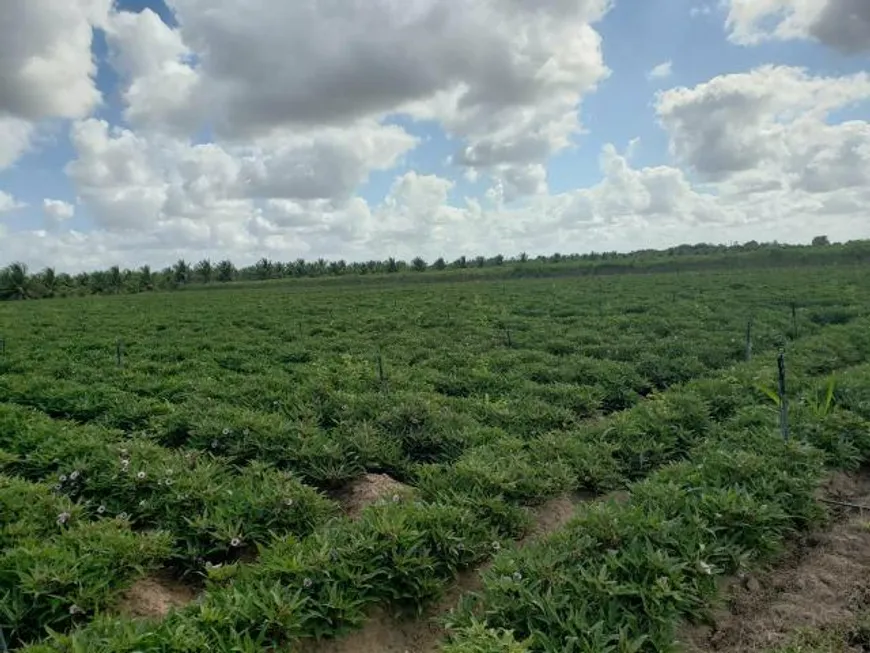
(143, 131)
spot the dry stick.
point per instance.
(845, 504)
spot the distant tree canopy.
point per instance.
(17, 283)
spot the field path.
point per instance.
(822, 584)
(384, 633)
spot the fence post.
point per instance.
(749, 339)
(783, 398)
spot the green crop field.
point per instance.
(211, 439)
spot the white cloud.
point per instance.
(841, 24)
(661, 71)
(629, 208)
(9, 203)
(15, 138)
(505, 77)
(771, 122)
(57, 212)
(46, 68)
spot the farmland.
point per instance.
(213, 436)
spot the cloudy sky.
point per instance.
(142, 131)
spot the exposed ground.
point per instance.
(823, 583)
(155, 596)
(368, 489)
(385, 633)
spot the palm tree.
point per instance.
(15, 283)
(48, 279)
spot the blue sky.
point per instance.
(615, 109)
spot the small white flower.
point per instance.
(496, 546)
(58, 487)
(123, 451)
(62, 478)
(124, 515)
(705, 568)
(235, 542)
(168, 481)
(74, 609)
(101, 510)
(288, 502)
(518, 576)
(246, 432)
(395, 498)
(141, 503)
(140, 475)
(306, 583)
(214, 444)
(125, 464)
(74, 475)
(63, 518)
(226, 431)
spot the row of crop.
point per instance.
(404, 553)
(653, 354)
(622, 576)
(56, 566)
(336, 425)
(204, 501)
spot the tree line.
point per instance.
(17, 282)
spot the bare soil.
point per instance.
(385, 633)
(821, 583)
(369, 489)
(154, 596)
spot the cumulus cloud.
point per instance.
(661, 71)
(134, 182)
(505, 77)
(769, 123)
(840, 24)
(46, 67)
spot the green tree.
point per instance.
(418, 264)
(15, 283)
(49, 281)
(146, 280)
(181, 272)
(225, 270)
(439, 264)
(204, 271)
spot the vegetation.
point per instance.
(16, 283)
(211, 434)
